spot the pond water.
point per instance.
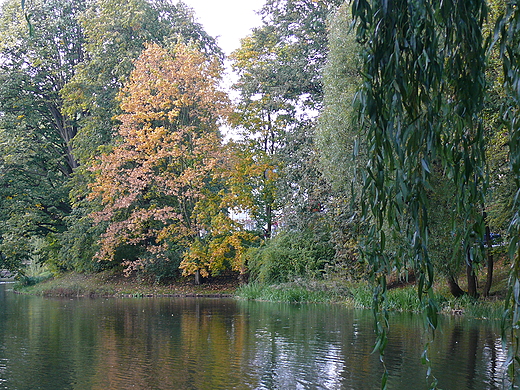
(172, 343)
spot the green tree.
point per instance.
(508, 34)
(338, 137)
(280, 86)
(35, 144)
(421, 97)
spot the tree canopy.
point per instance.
(58, 102)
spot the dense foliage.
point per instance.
(387, 149)
(370, 139)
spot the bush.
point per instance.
(27, 281)
(288, 256)
(162, 269)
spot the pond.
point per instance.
(192, 343)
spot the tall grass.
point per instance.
(358, 295)
(288, 292)
(470, 307)
(399, 299)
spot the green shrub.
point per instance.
(26, 280)
(288, 256)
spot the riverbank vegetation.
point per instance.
(354, 294)
(377, 154)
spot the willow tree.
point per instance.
(508, 31)
(420, 100)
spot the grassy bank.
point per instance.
(298, 291)
(353, 294)
(109, 284)
(360, 295)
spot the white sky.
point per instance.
(230, 20)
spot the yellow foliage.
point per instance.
(151, 182)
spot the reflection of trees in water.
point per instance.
(178, 344)
(309, 346)
(464, 354)
(39, 349)
(287, 346)
(3, 320)
(473, 354)
(210, 344)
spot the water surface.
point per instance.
(172, 343)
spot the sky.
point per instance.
(230, 20)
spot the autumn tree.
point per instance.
(115, 35)
(159, 184)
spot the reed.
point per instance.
(288, 292)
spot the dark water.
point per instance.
(226, 344)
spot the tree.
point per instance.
(280, 85)
(157, 184)
(295, 32)
(508, 34)
(36, 137)
(115, 36)
(338, 139)
(420, 100)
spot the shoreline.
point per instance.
(352, 294)
(109, 285)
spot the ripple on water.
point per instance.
(3, 373)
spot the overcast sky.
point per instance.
(230, 20)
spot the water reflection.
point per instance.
(227, 344)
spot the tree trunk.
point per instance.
(470, 275)
(269, 215)
(455, 289)
(490, 262)
(197, 277)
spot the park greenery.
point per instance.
(369, 140)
